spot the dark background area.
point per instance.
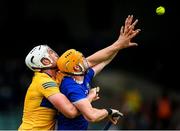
(88, 26)
(91, 25)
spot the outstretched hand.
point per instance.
(128, 32)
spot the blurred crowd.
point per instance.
(140, 111)
(153, 113)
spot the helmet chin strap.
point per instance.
(73, 74)
(51, 68)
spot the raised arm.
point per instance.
(105, 56)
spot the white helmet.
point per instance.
(34, 57)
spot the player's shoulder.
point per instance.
(90, 71)
(68, 80)
(46, 81)
(89, 74)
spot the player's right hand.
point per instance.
(116, 113)
(114, 117)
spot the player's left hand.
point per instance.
(127, 32)
(93, 94)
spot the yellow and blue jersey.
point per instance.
(74, 92)
(39, 113)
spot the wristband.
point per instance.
(109, 111)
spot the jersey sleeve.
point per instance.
(75, 93)
(49, 88)
(90, 74)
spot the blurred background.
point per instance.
(142, 82)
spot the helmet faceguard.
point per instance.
(72, 62)
(36, 55)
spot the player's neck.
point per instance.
(51, 73)
(79, 79)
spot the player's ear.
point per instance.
(45, 61)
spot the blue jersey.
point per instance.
(74, 92)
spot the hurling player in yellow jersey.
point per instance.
(43, 94)
(43, 97)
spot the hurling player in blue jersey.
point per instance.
(79, 73)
